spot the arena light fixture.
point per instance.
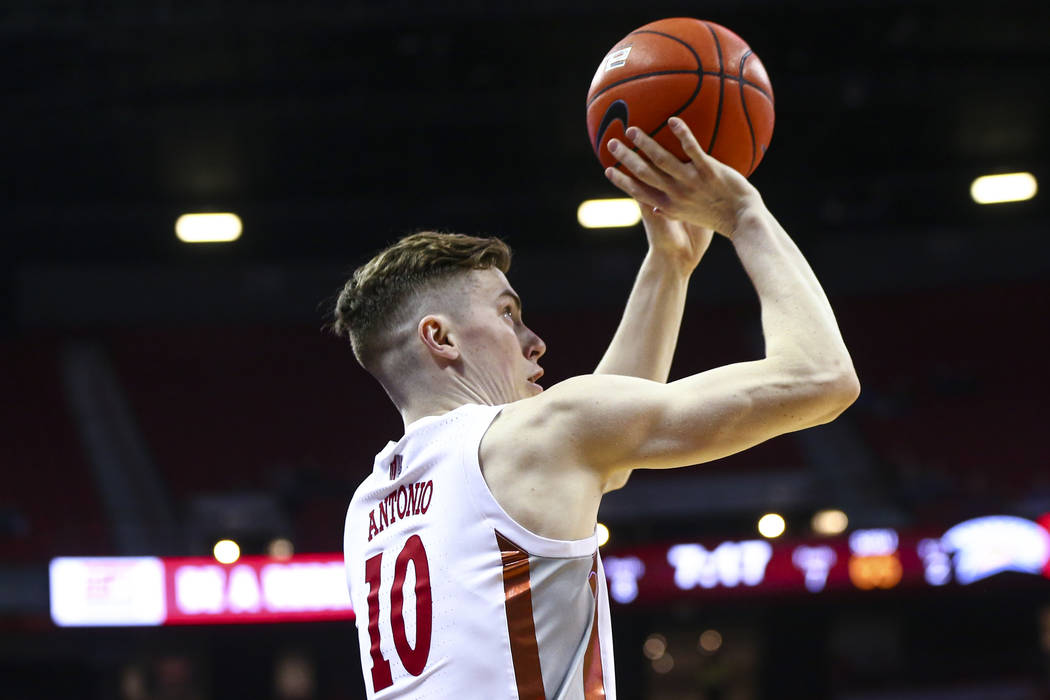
(608, 213)
(829, 522)
(603, 534)
(226, 551)
(710, 642)
(664, 664)
(655, 646)
(1006, 187)
(281, 549)
(218, 227)
(771, 525)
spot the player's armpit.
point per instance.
(615, 424)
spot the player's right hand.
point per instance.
(700, 191)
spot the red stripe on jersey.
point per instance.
(593, 678)
(524, 649)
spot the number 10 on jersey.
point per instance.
(413, 659)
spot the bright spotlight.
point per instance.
(829, 522)
(208, 228)
(1008, 187)
(226, 551)
(603, 534)
(608, 213)
(771, 525)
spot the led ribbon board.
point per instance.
(124, 591)
(135, 591)
(863, 560)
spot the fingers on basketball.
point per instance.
(640, 167)
(646, 194)
(689, 143)
(657, 154)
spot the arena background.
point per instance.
(157, 396)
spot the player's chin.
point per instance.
(533, 388)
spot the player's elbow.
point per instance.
(838, 389)
(850, 387)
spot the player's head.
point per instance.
(436, 308)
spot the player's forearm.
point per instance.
(797, 321)
(644, 342)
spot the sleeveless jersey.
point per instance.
(454, 599)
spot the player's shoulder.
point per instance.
(550, 407)
(553, 438)
(584, 393)
(567, 411)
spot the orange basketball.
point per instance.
(696, 70)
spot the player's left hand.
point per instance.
(680, 243)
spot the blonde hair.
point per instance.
(377, 289)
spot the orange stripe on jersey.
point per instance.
(593, 679)
(524, 649)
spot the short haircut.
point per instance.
(367, 307)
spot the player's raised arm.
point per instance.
(806, 377)
(644, 342)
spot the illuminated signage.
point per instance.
(729, 564)
(873, 561)
(815, 563)
(122, 591)
(165, 591)
(623, 573)
(156, 591)
(986, 546)
(861, 561)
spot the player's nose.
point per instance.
(534, 346)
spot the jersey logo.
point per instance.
(395, 467)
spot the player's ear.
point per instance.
(433, 332)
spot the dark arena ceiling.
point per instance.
(333, 127)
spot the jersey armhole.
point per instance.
(489, 509)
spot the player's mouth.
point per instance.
(535, 378)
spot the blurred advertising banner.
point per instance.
(127, 591)
(862, 560)
(122, 591)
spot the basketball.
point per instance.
(696, 70)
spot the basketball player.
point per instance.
(470, 549)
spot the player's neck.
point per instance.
(439, 402)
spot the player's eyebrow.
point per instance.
(513, 297)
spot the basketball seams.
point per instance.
(681, 109)
(699, 67)
(690, 49)
(747, 117)
(701, 74)
(721, 86)
(699, 84)
(743, 81)
(610, 86)
(700, 64)
(726, 56)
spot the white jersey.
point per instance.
(456, 600)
